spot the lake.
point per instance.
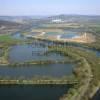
(69, 35)
(28, 72)
(18, 36)
(33, 92)
(31, 52)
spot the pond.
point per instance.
(18, 36)
(29, 52)
(32, 34)
(51, 34)
(38, 70)
(69, 35)
(33, 92)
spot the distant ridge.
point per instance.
(76, 18)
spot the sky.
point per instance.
(49, 7)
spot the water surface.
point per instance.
(27, 52)
(96, 96)
(31, 92)
(69, 35)
(18, 35)
(28, 72)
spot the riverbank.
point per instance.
(94, 77)
(94, 91)
(78, 93)
(85, 73)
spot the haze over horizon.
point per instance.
(48, 7)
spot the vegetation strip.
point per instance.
(38, 82)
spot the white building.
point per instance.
(57, 20)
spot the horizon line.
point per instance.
(55, 15)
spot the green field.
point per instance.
(6, 38)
